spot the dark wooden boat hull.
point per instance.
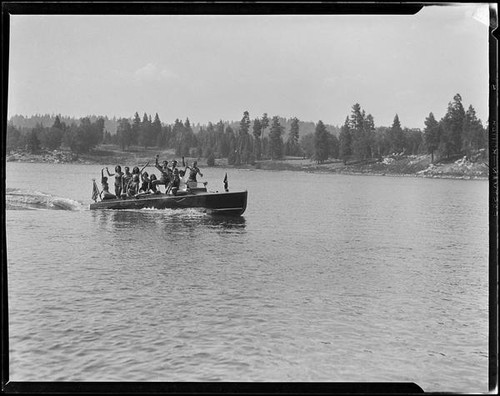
(226, 203)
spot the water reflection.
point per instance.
(172, 221)
(226, 222)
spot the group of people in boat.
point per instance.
(138, 182)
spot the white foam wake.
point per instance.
(19, 199)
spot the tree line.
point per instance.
(457, 132)
(79, 138)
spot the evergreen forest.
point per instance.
(458, 132)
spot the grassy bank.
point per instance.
(396, 165)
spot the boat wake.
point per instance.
(21, 199)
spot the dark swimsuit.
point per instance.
(146, 184)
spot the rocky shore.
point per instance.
(394, 165)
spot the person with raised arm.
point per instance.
(165, 172)
(193, 171)
(118, 180)
(105, 194)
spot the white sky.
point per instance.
(207, 68)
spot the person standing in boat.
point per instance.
(118, 179)
(175, 176)
(136, 171)
(105, 194)
(165, 173)
(127, 177)
(174, 166)
(193, 171)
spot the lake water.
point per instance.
(324, 278)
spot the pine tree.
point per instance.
(369, 135)
(264, 122)
(245, 123)
(177, 136)
(57, 123)
(156, 129)
(472, 132)
(431, 135)
(292, 144)
(360, 127)
(136, 129)
(125, 133)
(345, 141)
(275, 139)
(321, 143)
(51, 138)
(222, 142)
(257, 132)
(144, 138)
(452, 124)
(396, 136)
(186, 138)
(244, 142)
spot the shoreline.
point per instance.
(392, 166)
(354, 173)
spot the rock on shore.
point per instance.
(461, 168)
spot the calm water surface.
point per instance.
(324, 278)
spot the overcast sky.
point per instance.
(209, 68)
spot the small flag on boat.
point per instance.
(95, 191)
(225, 183)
